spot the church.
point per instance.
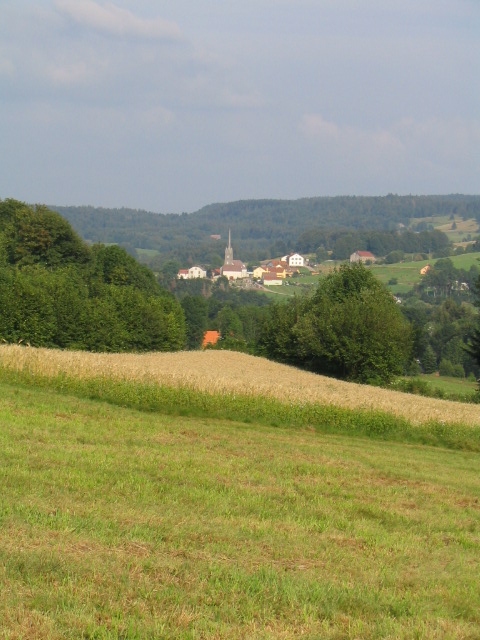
(232, 269)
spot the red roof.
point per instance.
(210, 337)
(365, 254)
(236, 266)
(271, 276)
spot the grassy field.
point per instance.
(408, 273)
(118, 523)
(460, 230)
(458, 386)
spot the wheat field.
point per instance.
(229, 372)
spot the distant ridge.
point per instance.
(259, 226)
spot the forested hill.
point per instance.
(259, 227)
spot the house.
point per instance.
(210, 338)
(193, 272)
(277, 263)
(233, 269)
(270, 279)
(362, 256)
(258, 272)
(294, 260)
(278, 271)
(197, 272)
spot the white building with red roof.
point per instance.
(362, 256)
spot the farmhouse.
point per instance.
(362, 256)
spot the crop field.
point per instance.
(126, 524)
(230, 373)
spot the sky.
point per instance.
(170, 106)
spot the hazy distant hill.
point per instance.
(259, 227)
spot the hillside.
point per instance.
(260, 228)
(118, 523)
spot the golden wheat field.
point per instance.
(231, 372)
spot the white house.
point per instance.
(197, 272)
(235, 270)
(190, 274)
(294, 260)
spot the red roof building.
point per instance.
(362, 256)
(210, 337)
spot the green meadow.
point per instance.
(406, 273)
(135, 524)
(449, 385)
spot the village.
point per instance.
(269, 273)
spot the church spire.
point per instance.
(229, 251)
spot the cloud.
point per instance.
(426, 155)
(316, 128)
(115, 21)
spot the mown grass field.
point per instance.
(123, 523)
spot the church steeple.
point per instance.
(229, 251)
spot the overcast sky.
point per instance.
(169, 106)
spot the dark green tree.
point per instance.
(195, 309)
(350, 328)
(429, 360)
(474, 347)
